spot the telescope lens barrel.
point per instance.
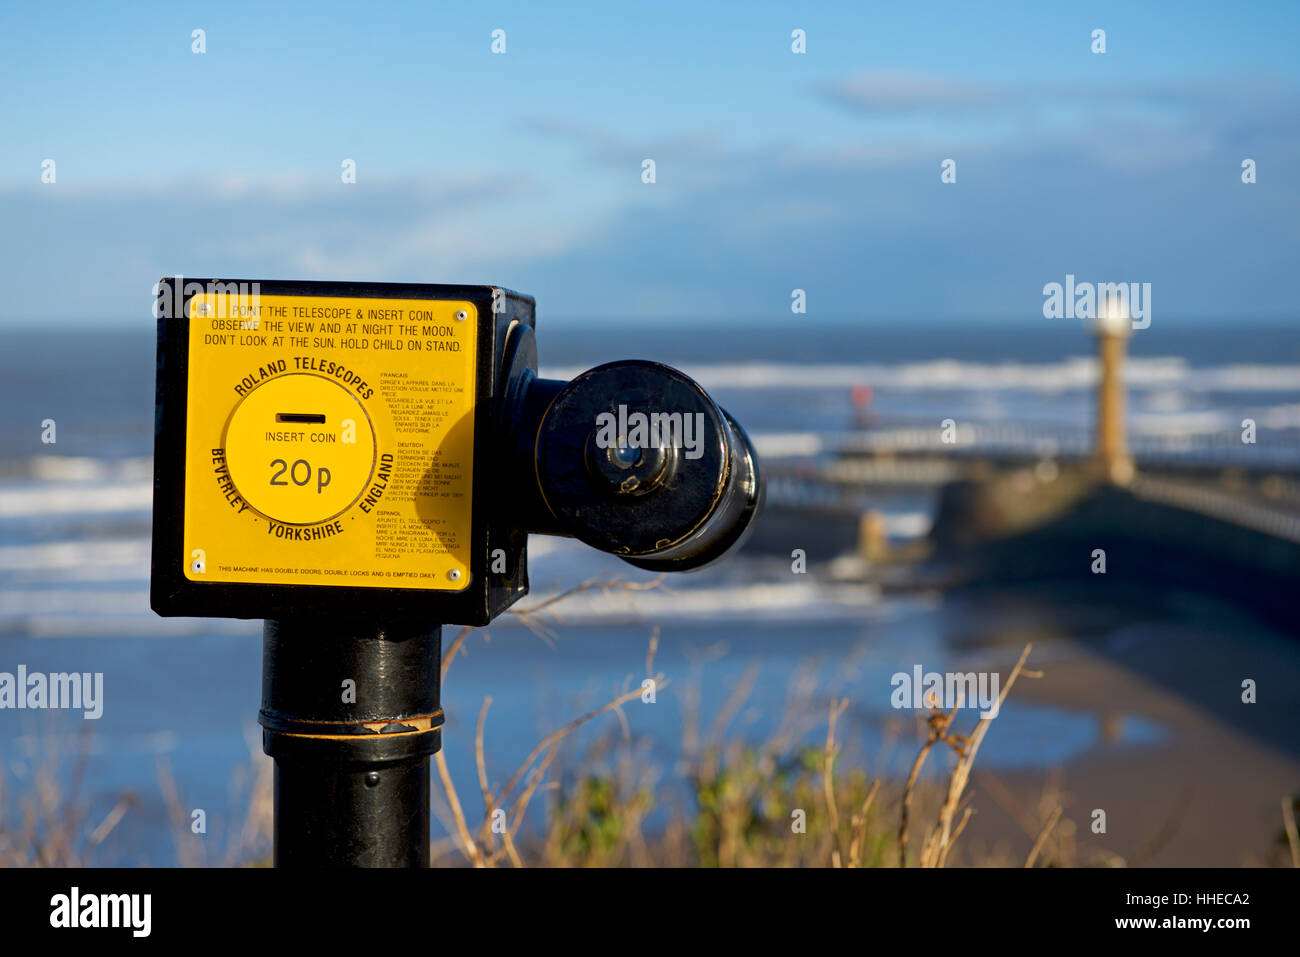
(635, 458)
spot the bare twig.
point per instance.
(1042, 836)
(1288, 821)
(529, 617)
(859, 825)
(468, 847)
(735, 701)
(556, 736)
(111, 820)
(455, 648)
(935, 853)
(651, 651)
(828, 780)
(479, 758)
(961, 825)
(187, 854)
(936, 723)
(1156, 843)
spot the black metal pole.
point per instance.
(350, 713)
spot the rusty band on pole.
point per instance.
(350, 714)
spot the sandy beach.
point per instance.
(1208, 794)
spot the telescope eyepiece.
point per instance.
(634, 458)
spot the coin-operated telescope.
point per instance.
(359, 464)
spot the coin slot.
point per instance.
(305, 418)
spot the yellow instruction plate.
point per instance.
(330, 441)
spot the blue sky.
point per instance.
(774, 170)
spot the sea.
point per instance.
(745, 642)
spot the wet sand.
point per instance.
(1209, 794)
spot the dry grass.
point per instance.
(788, 800)
(780, 802)
(46, 820)
(246, 838)
(504, 808)
(45, 815)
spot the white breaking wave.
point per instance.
(794, 601)
(788, 444)
(129, 626)
(1279, 417)
(1072, 373)
(74, 498)
(44, 601)
(69, 612)
(1247, 378)
(52, 556)
(71, 468)
(1203, 422)
(51, 563)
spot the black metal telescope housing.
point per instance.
(656, 505)
(551, 457)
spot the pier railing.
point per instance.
(846, 471)
(1277, 449)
